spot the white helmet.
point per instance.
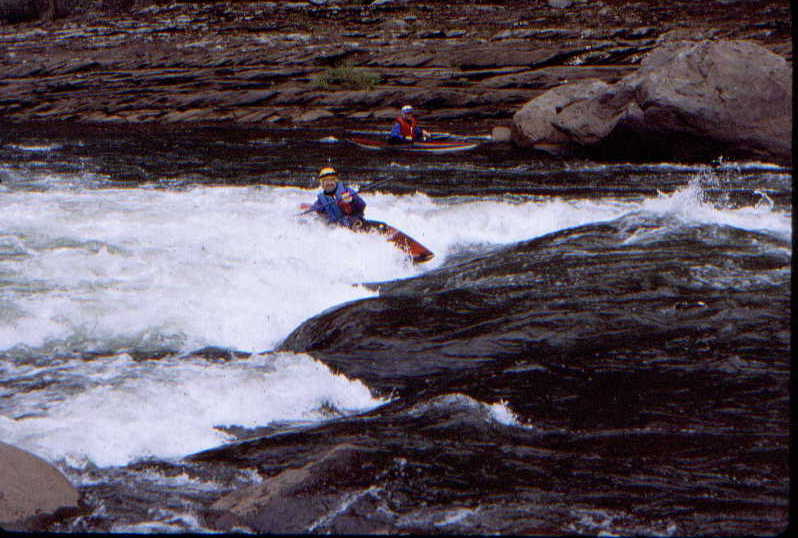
(407, 109)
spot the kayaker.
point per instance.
(339, 203)
(406, 128)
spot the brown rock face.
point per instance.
(720, 97)
(31, 490)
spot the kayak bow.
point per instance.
(417, 252)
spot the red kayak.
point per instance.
(417, 252)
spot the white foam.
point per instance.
(689, 205)
(171, 407)
(226, 267)
(501, 412)
(35, 147)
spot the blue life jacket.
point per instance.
(329, 205)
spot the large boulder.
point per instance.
(688, 99)
(564, 117)
(32, 491)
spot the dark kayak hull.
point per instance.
(417, 252)
(418, 147)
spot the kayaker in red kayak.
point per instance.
(339, 203)
(406, 128)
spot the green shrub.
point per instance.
(346, 76)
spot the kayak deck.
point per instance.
(418, 252)
(421, 147)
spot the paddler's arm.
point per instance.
(319, 206)
(396, 134)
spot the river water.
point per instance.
(595, 348)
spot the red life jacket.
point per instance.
(407, 127)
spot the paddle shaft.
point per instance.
(374, 184)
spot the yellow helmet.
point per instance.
(327, 172)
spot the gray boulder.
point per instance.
(718, 97)
(556, 120)
(31, 491)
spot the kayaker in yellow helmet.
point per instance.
(338, 202)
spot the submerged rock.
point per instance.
(521, 301)
(298, 499)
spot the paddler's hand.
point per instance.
(357, 224)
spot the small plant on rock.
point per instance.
(346, 76)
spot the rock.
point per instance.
(538, 122)
(503, 55)
(293, 500)
(501, 134)
(385, 113)
(396, 25)
(432, 34)
(732, 97)
(379, 3)
(313, 115)
(734, 93)
(550, 77)
(687, 34)
(358, 98)
(31, 490)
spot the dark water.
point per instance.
(628, 377)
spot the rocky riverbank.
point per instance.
(461, 63)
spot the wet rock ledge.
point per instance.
(337, 62)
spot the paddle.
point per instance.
(452, 136)
(361, 189)
(374, 184)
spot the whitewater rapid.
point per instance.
(220, 266)
(94, 279)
